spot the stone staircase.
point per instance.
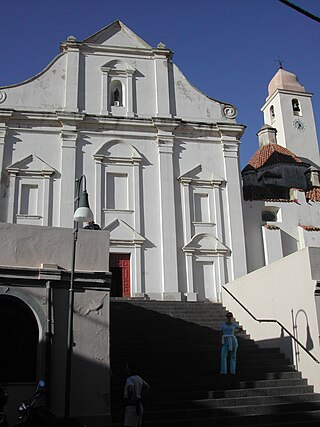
(177, 348)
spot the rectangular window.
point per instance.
(117, 191)
(201, 207)
(29, 199)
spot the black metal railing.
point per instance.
(272, 321)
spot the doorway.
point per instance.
(19, 341)
(120, 269)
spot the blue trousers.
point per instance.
(233, 356)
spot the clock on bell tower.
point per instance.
(288, 108)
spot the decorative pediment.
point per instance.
(200, 175)
(118, 67)
(117, 34)
(122, 234)
(31, 165)
(118, 151)
(206, 244)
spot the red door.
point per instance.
(120, 269)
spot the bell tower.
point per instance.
(288, 108)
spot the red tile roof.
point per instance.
(313, 195)
(271, 227)
(310, 227)
(265, 151)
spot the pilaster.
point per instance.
(218, 212)
(136, 201)
(68, 176)
(161, 84)
(98, 193)
(46, 198)
(4, 118)
(130, 112)
(167, 215)
(105, 102)
(168, 240)
(13, 196)
(189, 269)
(230, 149)
(72, 75)
(137, 271)
(186, 215)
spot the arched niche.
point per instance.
(117, 88)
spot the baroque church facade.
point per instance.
(161, 161)
(162, 166)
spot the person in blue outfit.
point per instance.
(229, 343)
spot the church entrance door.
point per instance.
(120, 269)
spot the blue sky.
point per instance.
(226, 48)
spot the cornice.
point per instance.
(124, 50)
(231, 130)
(97, 124)
(164, 125)
(37, 277)
(5, 114)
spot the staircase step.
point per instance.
(177, 345)
(295, 419)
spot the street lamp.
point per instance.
(82, 213)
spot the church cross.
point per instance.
(280, 61)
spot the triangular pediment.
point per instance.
(122, 233)
(204, 243)
(201, 174)
(31, 165)
(117, 34)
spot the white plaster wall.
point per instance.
(253, 234)
(283, 290)
(91, 354)
(44, 91)
(291, 216)
(191, 104)
(304, 144)
(41, 141)
(29, 246)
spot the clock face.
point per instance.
(299, 125)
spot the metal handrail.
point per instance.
(272, 321)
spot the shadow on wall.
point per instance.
(83, 393)
(284, 343)
(30, 353)
(301, 331)
(289, 244)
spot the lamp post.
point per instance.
(82, 213)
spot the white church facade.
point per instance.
(161, 160)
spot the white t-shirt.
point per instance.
(133, 388)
